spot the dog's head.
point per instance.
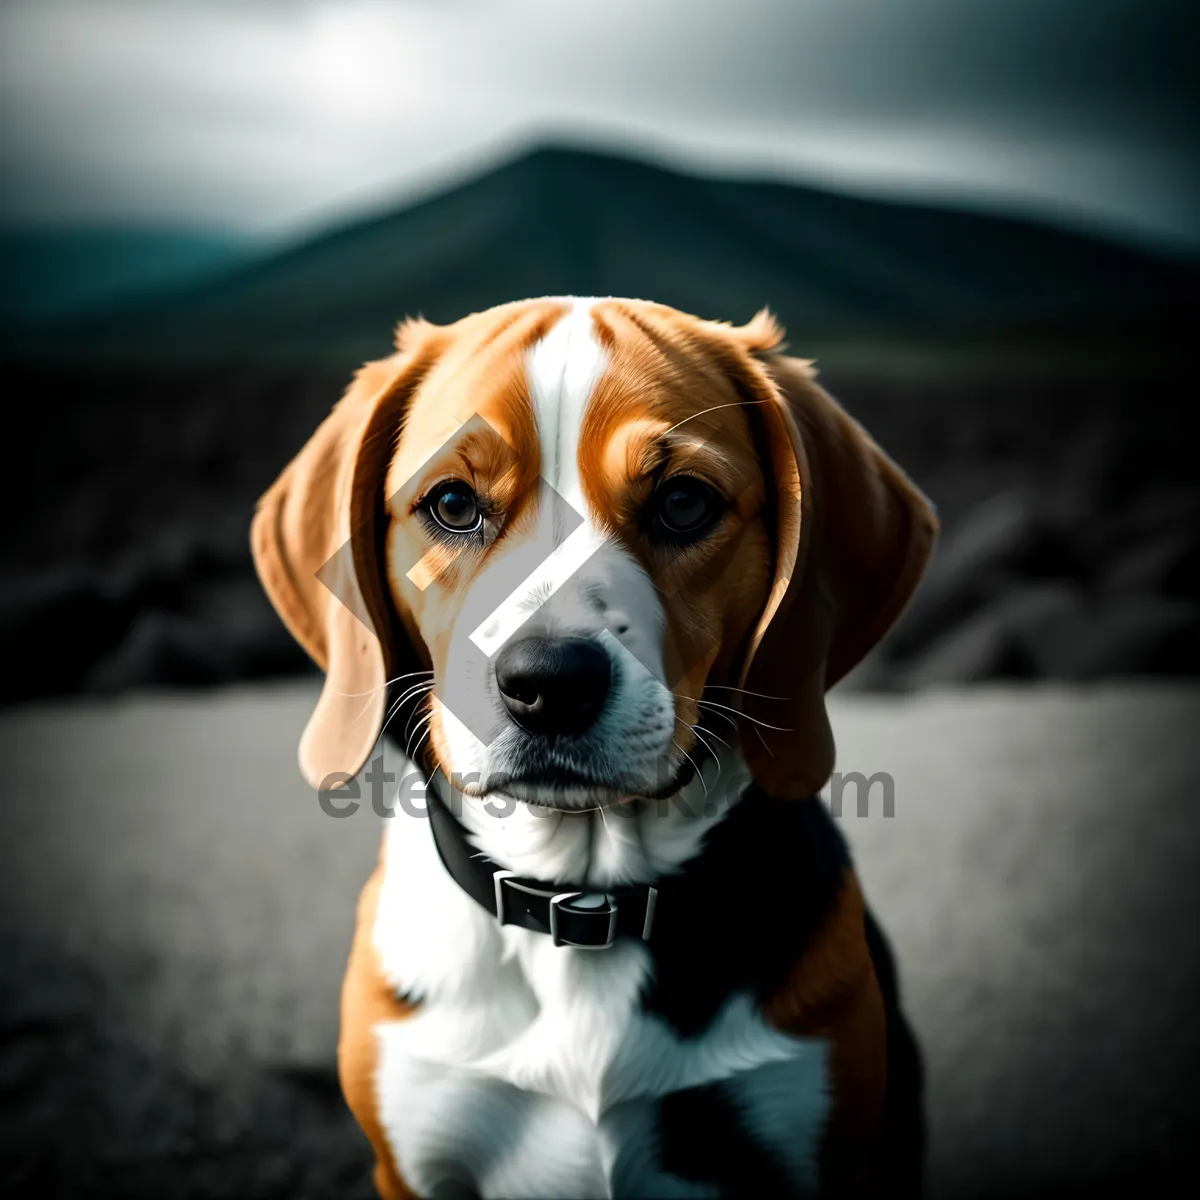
(599, 529)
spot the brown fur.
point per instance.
(368, 1000)
(833, 994)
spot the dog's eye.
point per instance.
(455, 507)
(684, 508)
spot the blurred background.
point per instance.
(982, 220)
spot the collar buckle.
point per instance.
(555, 910)
(601, 913)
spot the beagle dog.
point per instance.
(604, 559)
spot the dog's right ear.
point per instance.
(316, 542)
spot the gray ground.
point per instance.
(177, 910)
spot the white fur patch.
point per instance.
(531, 1070)
(562, 370)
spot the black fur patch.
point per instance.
(705, 1139)
(740, 916)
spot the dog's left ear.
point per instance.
(852, 537)
(316, 540)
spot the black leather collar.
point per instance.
(736, 917)
(580, 917)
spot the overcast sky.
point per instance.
(271, 115)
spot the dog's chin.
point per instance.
(567, 792)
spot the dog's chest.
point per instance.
(528, 1069)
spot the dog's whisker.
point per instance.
(764, 744)
(721, 687)
(408, 675)
(408, 741)
(714, 408)
(711, 734)
(713, 704)
(715, 756)
(726, 717)
(696, 733)
(695, 768)
(412, 754)
(415, 711)
(696, 730)
(385, 684)
(416, 690)
(392, 716)
(422, 724)
(413, 690)
(747, 716)
(427, 717)
(368, 693)
(411, 693)
(419, 725)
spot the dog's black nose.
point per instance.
(553, 686)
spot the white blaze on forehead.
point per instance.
(562, 370)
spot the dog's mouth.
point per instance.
(569, 790)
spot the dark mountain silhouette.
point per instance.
(562, 221)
